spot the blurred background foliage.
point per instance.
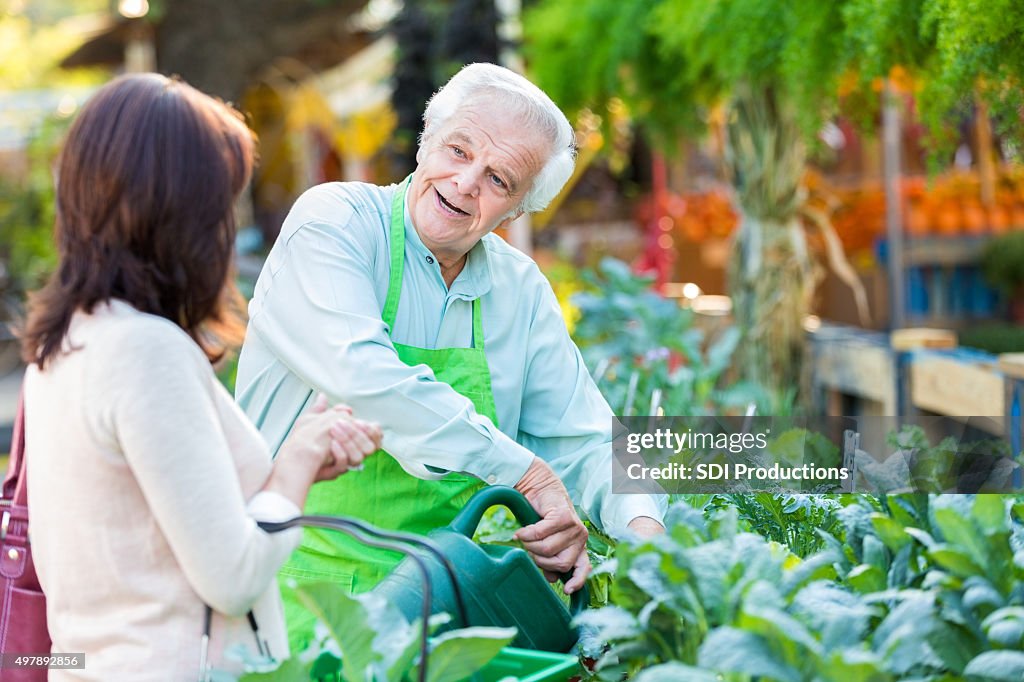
(34, 37)
(36, 34)
(764, 76)
(649, 356)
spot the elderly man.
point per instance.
(401, 303)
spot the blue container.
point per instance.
(917, 293)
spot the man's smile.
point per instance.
(447, 204)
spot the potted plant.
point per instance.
(1002, 264)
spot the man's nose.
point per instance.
(467, 181)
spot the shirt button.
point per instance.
(492, 479)
(430, 259)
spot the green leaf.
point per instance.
(734, 651)
(686, 525)
(612, 622)
(955, 561)
(721, 350)
(1008, 634)
(902, 637)
(996, 666)
(1005, 627)
(903, 572)
(402, 659)
(853, 665)
(346, 621)
(290, 670)
(875, 553)
(866, 578)
(959, 532)
(890, 532)
(371, 633)
(990, 513)
(910, 511)
(952, 645)
(674, 672)
(326, 667)
(979, 592)
(857, 520)
(921, 536)
(789, 639)
(815, 567)
(839, 617)
(646, 573)
(725, 523)
(1015, 612)
(887, 476)
(457, 654)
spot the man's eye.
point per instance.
(498, 181)
(458, 152)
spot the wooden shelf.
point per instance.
(954, 322)
(950, 251)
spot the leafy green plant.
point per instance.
(793, 520)
(686, 596)
(27, 213)
(363, 638)
(994, 338)
(1002, 263)
(923, 588)
(952, 465)
(647, 352)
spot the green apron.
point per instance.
(383, 493)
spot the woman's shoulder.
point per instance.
(124, 335)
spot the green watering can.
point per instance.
(500, 585)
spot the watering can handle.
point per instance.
(494, 495)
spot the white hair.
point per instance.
(477, 83)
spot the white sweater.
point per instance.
(142, 479)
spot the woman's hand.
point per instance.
(352, 441)
(324, 443)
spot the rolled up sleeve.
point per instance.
(568, 423)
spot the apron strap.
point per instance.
(478, 325)
(397, 233)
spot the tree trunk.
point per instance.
(770, 291)
(770, 276)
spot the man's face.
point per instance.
(471, 177)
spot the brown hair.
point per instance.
(146, 183)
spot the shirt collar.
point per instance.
(475, 279)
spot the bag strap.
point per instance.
(374, 537)
(16, 482)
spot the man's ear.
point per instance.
(510, 219)
(420, 148)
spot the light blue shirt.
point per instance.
(315, 326)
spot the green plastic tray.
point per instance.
(525, 665)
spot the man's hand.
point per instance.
(646, 527)
(558, 542)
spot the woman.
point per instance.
(145, 480)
